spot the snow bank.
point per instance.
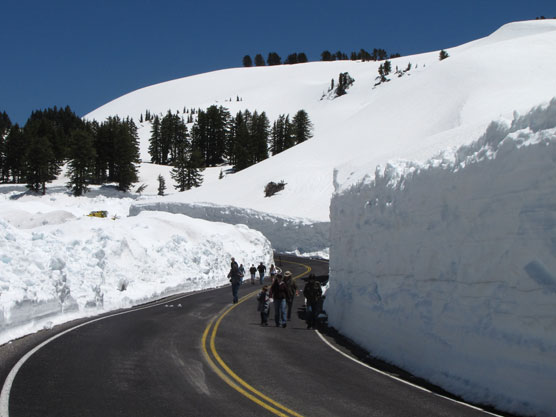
(448, 268)
(84, 266)
(286, 234)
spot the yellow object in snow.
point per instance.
(98, 213)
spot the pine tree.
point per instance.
(240, 155)
(126, 152)
(443, 55)
(302, 58)
(187, 169)
(82, 156)
(161, 185)
(155, 145)
(260, 131)
(291, 59)
(259, 60)
(302, 127)
(281, 137)
(15, 146)
(5, 125)
(326, 56)
(210, 134)
(39, 164)
(273, 59)
(247, 62)
(344, 82)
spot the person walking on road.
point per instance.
(312, 292)
(263, 299)
(291, 293)
(253, 271)
(235, 278)
(272, 272)
(262, 270)
(278, 292)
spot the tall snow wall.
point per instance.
(285, 234)
(448, 269)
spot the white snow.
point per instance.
(58, 264)
(448, 268)
(449, 257)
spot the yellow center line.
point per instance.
(215, 324)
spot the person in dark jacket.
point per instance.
(235, 278)
(292, 292)
(278, 292)
(263, 299)
(262, 270)
(312, 292)
(253, 271)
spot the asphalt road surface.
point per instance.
(201, 355)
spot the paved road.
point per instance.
(199, 355)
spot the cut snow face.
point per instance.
(448, 268)
(54, 272)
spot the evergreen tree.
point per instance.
(155, 145)
(273, 59)
(161, 185)
(210, 134)
(126, 150)
(15, 146)
(82, 156)
(291, 59)
(387, 67)
(57, 126)
(259, 60)
(5, 125)
(281, 136)
(173, 132)
(240, 138)
(443, 55)
(39, 164)
(247, 62)
(344, 82)
(366, 56)
(260, 131)
(302, 58)
(326, 56)
(302, 128)
(187, 169)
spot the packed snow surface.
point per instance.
(61, 264)
(448, 268)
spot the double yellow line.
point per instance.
(229, 376)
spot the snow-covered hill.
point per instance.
(435, 105)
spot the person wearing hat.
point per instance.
(278, 292)
(235, 279)
(291, 293)
(312, 292)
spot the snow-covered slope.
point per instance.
(435, 105)
(448, 268)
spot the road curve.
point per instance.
(199, 355)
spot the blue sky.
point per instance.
(84, 54)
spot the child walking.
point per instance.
(263, 305)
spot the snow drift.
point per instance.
(448, 268)
(85, 266)
(286, 234)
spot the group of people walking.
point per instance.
(281, 292)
